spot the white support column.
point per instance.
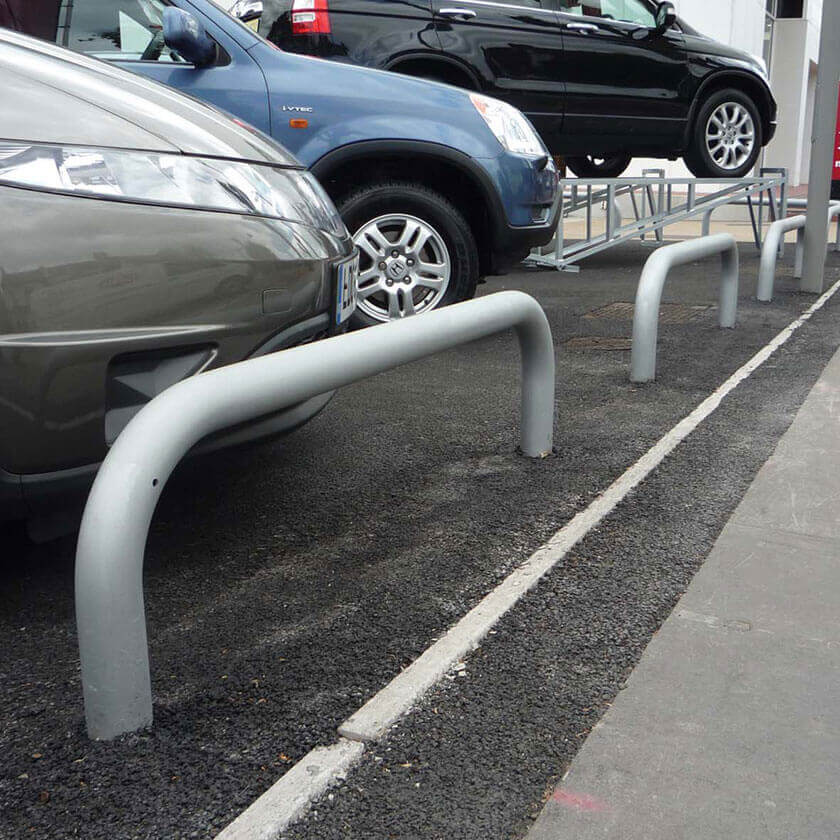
(822, 151)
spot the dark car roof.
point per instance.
(52, 95)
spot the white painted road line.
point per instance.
(286, 802)
(290, 796)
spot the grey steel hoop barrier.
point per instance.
(110, 613)
(773, 246)
(649, 294)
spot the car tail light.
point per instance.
(310, 17)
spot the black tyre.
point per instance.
(417, 251)
(727, 136)
(592, 167)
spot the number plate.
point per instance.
(347, 278)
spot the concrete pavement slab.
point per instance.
(728, 726)
(760, 562)
(721, 732)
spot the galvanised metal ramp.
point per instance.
(657, 202)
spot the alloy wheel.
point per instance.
(404, 267)
(730, 136)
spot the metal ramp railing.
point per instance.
(657, 202)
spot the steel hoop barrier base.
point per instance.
(771, 249)
(649, 294)
(110, 613)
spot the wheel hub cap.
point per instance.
(397, 269)
(730, 135)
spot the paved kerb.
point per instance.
(728, 726)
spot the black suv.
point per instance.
(602, 80)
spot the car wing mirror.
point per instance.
(185, 34)
(248, 11)
(666, 17)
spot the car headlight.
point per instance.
(171, 180)
(509, 125)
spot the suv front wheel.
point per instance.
(727, 137)
(416, 249)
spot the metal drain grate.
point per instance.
(669, 313)
(597, 342)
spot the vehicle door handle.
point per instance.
(458, 14)
(582, 27)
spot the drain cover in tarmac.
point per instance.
(669, 313)
(597, 342)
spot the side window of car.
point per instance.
(627, 11)
(131, 30)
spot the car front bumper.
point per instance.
(34, 494)
(113, 302)
(524, 214)
(513, 244)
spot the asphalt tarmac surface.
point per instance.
(287, 582)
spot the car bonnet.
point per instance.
(58, 96)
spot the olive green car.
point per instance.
(144, 237)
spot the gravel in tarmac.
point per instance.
(287, 582)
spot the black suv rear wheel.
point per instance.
(592, 167)
(417, 251)
(727, 136)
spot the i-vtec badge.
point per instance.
(300, 109)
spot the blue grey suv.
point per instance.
(438, 186)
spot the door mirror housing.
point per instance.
(248, 11)
(666, 17)
(185, 34)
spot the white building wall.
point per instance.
(711, 17)
(813, 14)
(813, 11)
(805, 164)
(793, 76)
(789, 75)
